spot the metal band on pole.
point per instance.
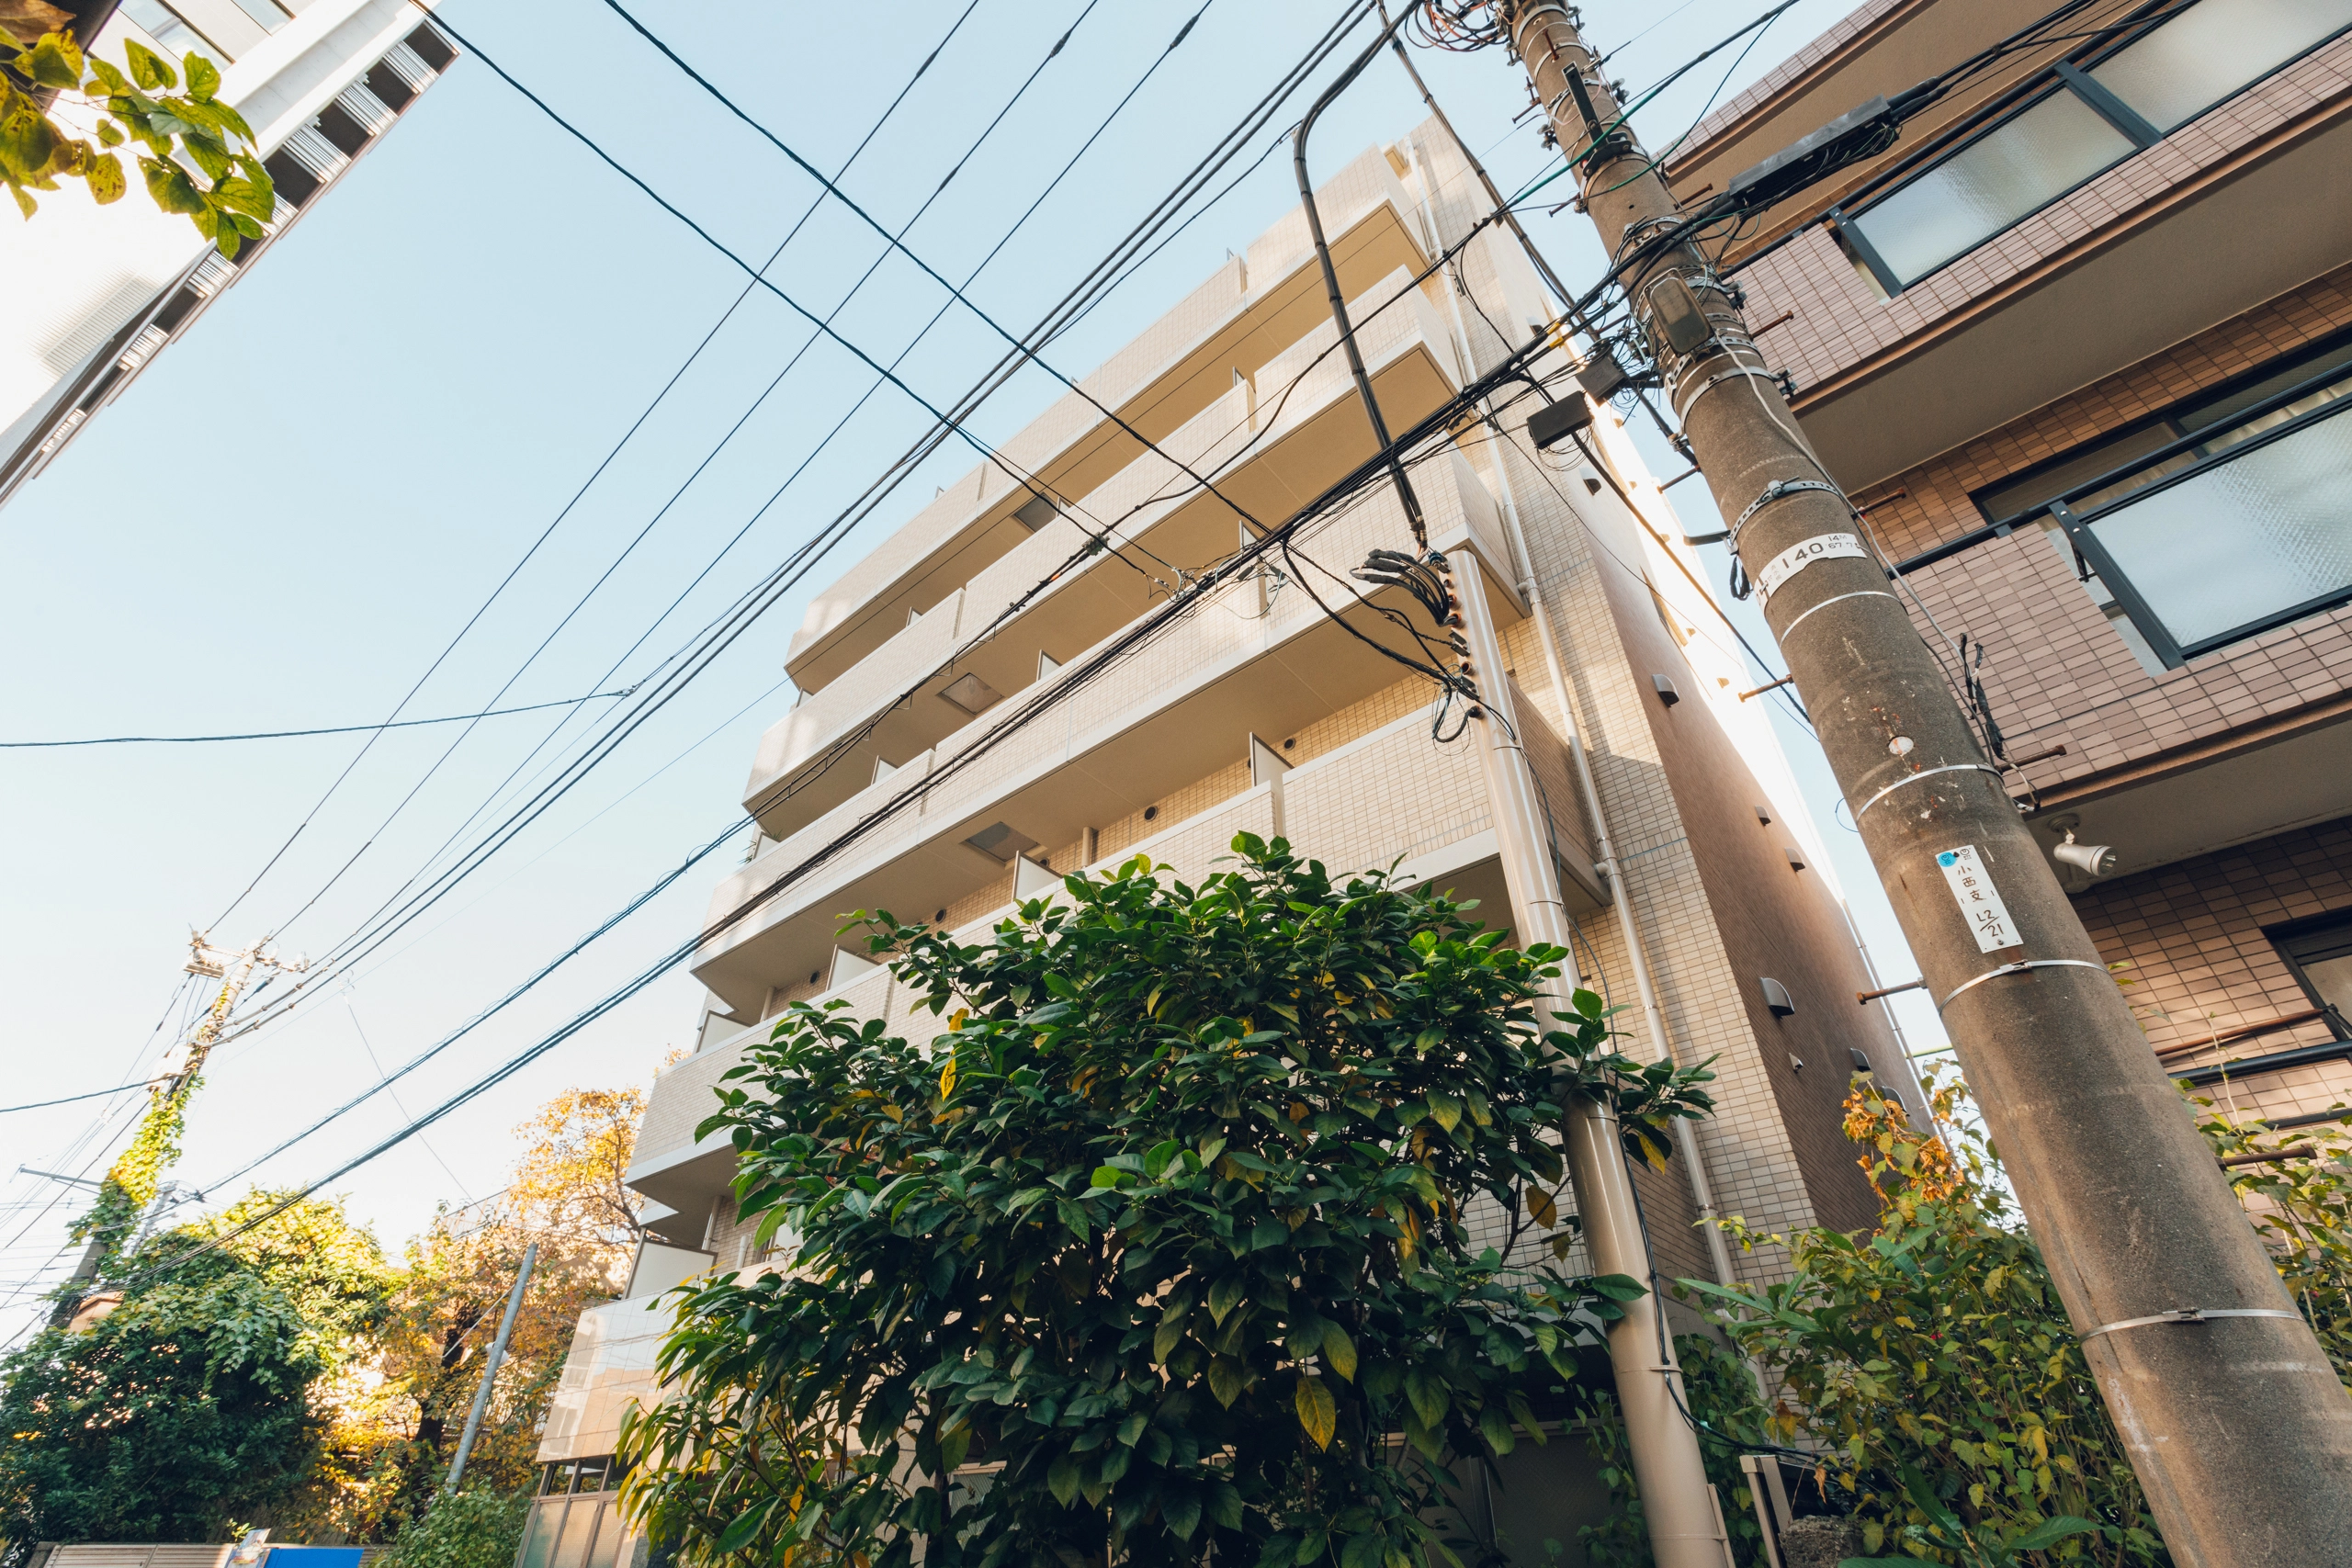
(2018, 968)
(2186, 1314)
(1922, 774)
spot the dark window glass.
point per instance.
(2320, 952)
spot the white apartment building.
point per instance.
(98, 292)
(1255, 711)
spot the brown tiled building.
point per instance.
(2077, 345)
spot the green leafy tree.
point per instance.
(1933, 1364)
(186, 1406)
(195, 153)
(207, 1395)
(474, 1528)
(1168, 1231)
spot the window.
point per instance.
(2218, 519)
(2068, 126)
(2319, 952)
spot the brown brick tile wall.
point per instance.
(2192, 935)
(2056, 672)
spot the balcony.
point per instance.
(1230, 328)
(2089, 217)
(1270, 448)
(1254, 658)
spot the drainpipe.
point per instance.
(1685, 1523)
(1637, 957)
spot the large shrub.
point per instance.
(1169, 1227)
(1932, 1362)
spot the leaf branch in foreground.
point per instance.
(197, 155)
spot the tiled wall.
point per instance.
(2056, 671)
(2198, 962)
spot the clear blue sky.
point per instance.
(289, 516)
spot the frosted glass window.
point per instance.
(579, 1529)
(610, 1527)
(2213, 50)
(539, 1533)
(2000, 177)
(2243, 543)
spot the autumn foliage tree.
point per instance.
(1172, 1227)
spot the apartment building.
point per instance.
(99, 291)
(2076, 345)
(1255, 711)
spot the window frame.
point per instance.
(2281, 936)
(2078, 525)
(2068, 76)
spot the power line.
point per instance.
(1081, 673)
(296, 734)
(72, 1098)
(676, 494)
(607, 460)
(1105, 277)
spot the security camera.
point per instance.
(2093, 860)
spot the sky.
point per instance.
(302, 513)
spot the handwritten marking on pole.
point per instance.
(1803, 554)
(1979, 901)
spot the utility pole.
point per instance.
(490, 1370)
(2239, 1431)
(130, 1183)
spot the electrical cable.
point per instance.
(1091, 289)
(609, 458)
(678, 492)
(296, 734)
(1002, 243)
(1195, 182)
(70, 1098)
(1018, 345)
(1075, 678)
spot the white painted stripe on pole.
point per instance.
(1979, 902)
(1803, 554)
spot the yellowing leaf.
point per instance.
(1339, 1351)
(947, 1079)
(1540, 1204)
(956, 1020)
(1445, 1110)
(1316, 1411)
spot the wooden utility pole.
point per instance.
(2234, 1421)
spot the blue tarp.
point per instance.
(311, 1557)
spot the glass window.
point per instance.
(2320, 952)
(2005, 175)
(539, 1532)
(579, 1529)
(160, 23)
(591, 1476)
(610, 1528)
(2213, 50)
(2242, 542)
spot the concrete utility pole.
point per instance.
(2239, 1431)
(490, 1370)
